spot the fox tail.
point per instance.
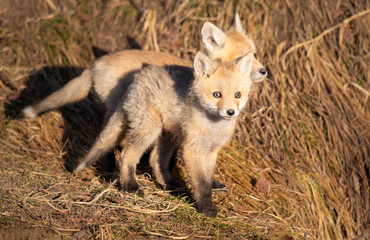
(75, 90)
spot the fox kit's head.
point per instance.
(220, 88)
(231, 45)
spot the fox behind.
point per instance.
(158, 107)
(112, 73)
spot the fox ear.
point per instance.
(203, 66)
(245, 64)
(212, 37)
(238, 25)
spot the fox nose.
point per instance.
(230, 112)
(263, 71)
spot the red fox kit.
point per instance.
(112, 76)
(197, 111)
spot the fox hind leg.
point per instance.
(160, 160)
(134, 144)
(106, 141)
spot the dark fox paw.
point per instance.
(171, 185)
(209, 209)
(131, 187)
(216, 184)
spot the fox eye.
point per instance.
(217, 94)
(238, 94)
(255, 55)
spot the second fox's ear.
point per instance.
(238, 25)
(203, 66)
(213, 38)
(245, 64)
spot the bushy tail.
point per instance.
(106, 141)
(75, 90)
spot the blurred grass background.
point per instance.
(298, 167)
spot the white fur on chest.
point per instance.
(206, 134)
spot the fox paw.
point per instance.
(130, 186)
(216, 184)
(171, 185)
(209, 210)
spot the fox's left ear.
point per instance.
(213, 38)
(203, 66)
(238, 25)
(245, 64)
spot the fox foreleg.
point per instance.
(200, 166)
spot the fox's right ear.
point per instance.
(213, 38)
(238, 25)
(245, 64)
(203, 66)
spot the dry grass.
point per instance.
(298, 167)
